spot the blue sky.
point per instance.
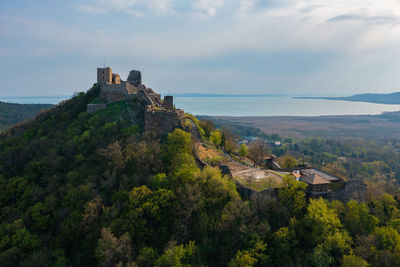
(296, 47)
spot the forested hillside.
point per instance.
(11, 113)
(80, 189)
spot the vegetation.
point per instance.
(243, 150)
(80, 189)
(11, 113)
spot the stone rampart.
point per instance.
(161, 122)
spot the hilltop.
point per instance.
(117, 176)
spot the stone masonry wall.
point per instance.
(161, 122)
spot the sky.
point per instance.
(291, 47)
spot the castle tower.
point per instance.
(104, 75)
(168, 102)
(135, 78)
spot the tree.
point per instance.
(292, 196)
(321, 221)
(353, 261)
(254, 255)
(288, 162)
(258, 150)
(179, 155)
(216, 137)
(243, 150)
(357, 219)
(179, 256)
(337, 245)
(112, 251)
(228, 140)
(208, 126)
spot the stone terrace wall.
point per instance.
(113, 92)
(248, 193)
(161, 122)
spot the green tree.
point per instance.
(353, 261)
(293, 195)
(243, 150)
(216, 137)
(321, 221)
(357, 219)
(178, 256)
(288, 162)
(251, 257)
(179, 155)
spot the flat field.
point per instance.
(386, 125)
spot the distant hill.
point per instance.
(393, 98)
(11, 113)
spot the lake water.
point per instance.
(250, 105)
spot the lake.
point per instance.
(250, 105)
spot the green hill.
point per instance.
(79, 189)
(11, 113)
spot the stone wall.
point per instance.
(161, 122)
(353, 189)
(113, 92)
(249, 194)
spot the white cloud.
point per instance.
(125, 6)
(90, 9)
(207, 7)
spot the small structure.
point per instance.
(319, 182)
(316, 183)
(324, 175)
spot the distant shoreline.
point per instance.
(389, 99)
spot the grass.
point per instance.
(260, 184)
(117, 110)
(98, 100)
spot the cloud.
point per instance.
(139, 8)
(90, 9)
(367, 19)
(130, 7)
(207, 7)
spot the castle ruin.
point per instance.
(159, 115)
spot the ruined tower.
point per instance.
(168, 102)
(104, 75)
(135, 78)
